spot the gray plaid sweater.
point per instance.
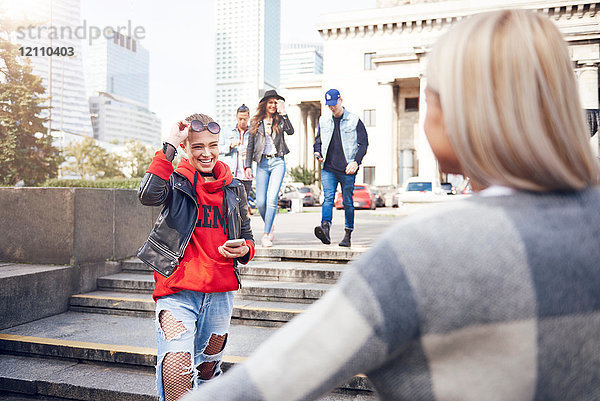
(491, 298)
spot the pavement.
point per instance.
(294, 229)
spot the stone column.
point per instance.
(428, 166)
(295, 115)
(587, 78)
(381, 153)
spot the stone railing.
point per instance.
(71, 225)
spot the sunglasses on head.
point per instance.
(199, 126)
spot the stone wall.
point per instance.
(71, 225)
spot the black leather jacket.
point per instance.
(256, 142)
(175, 224)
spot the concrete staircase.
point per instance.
(104, 348)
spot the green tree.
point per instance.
(87, 159)
(137, 158)
(303, 175)
(26, 149)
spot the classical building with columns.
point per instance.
(376, 58)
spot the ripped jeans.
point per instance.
(190, 323)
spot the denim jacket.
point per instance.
(347, 133)
(229, 155)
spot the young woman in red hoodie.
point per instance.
(195, 267)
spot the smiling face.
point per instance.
(271, 106)
(202, 149)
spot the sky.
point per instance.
(180, 37)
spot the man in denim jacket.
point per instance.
(232, 148)
(340, 145)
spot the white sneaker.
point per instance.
(266, 241)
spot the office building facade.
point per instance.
(377, 59)
(118, 65)
(117, 119)
(247, 54)
(299, 60)
(117, 72)
(62, 76)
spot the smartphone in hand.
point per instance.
(234, 243)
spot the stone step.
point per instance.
(322, 253)
(268, 269)
(251, 289)
(276, 291)
(298, 271)
(113, 341)
(310, 253)
(28, 378)
(73, 380)
(256, 313)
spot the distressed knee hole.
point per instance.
(176, 374)
(206, 370)
(216, 344)
(169, 325)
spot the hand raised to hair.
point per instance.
(179, 133)
(281, 106)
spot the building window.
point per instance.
(411, 104)
(369, 175)
(369, 118)
(369, 64)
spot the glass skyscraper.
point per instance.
(117, 72)
(118, 65)
(247, 54)
(62, 76)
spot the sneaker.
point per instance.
(266, 242)
(271, 235)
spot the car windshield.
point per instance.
(304, 190)
(418, 186)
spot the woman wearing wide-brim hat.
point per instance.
(266, 146)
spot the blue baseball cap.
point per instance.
(331, 97)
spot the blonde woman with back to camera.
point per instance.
(492, 298)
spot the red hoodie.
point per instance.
(202, 267)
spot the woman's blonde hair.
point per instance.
(510, 103)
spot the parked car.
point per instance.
(287, 193)
(419, 189)
(362, 196)
(464, 188)
(309, 198)
(379, 197)
(387, 193)
(396, 196)
(448, 188)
